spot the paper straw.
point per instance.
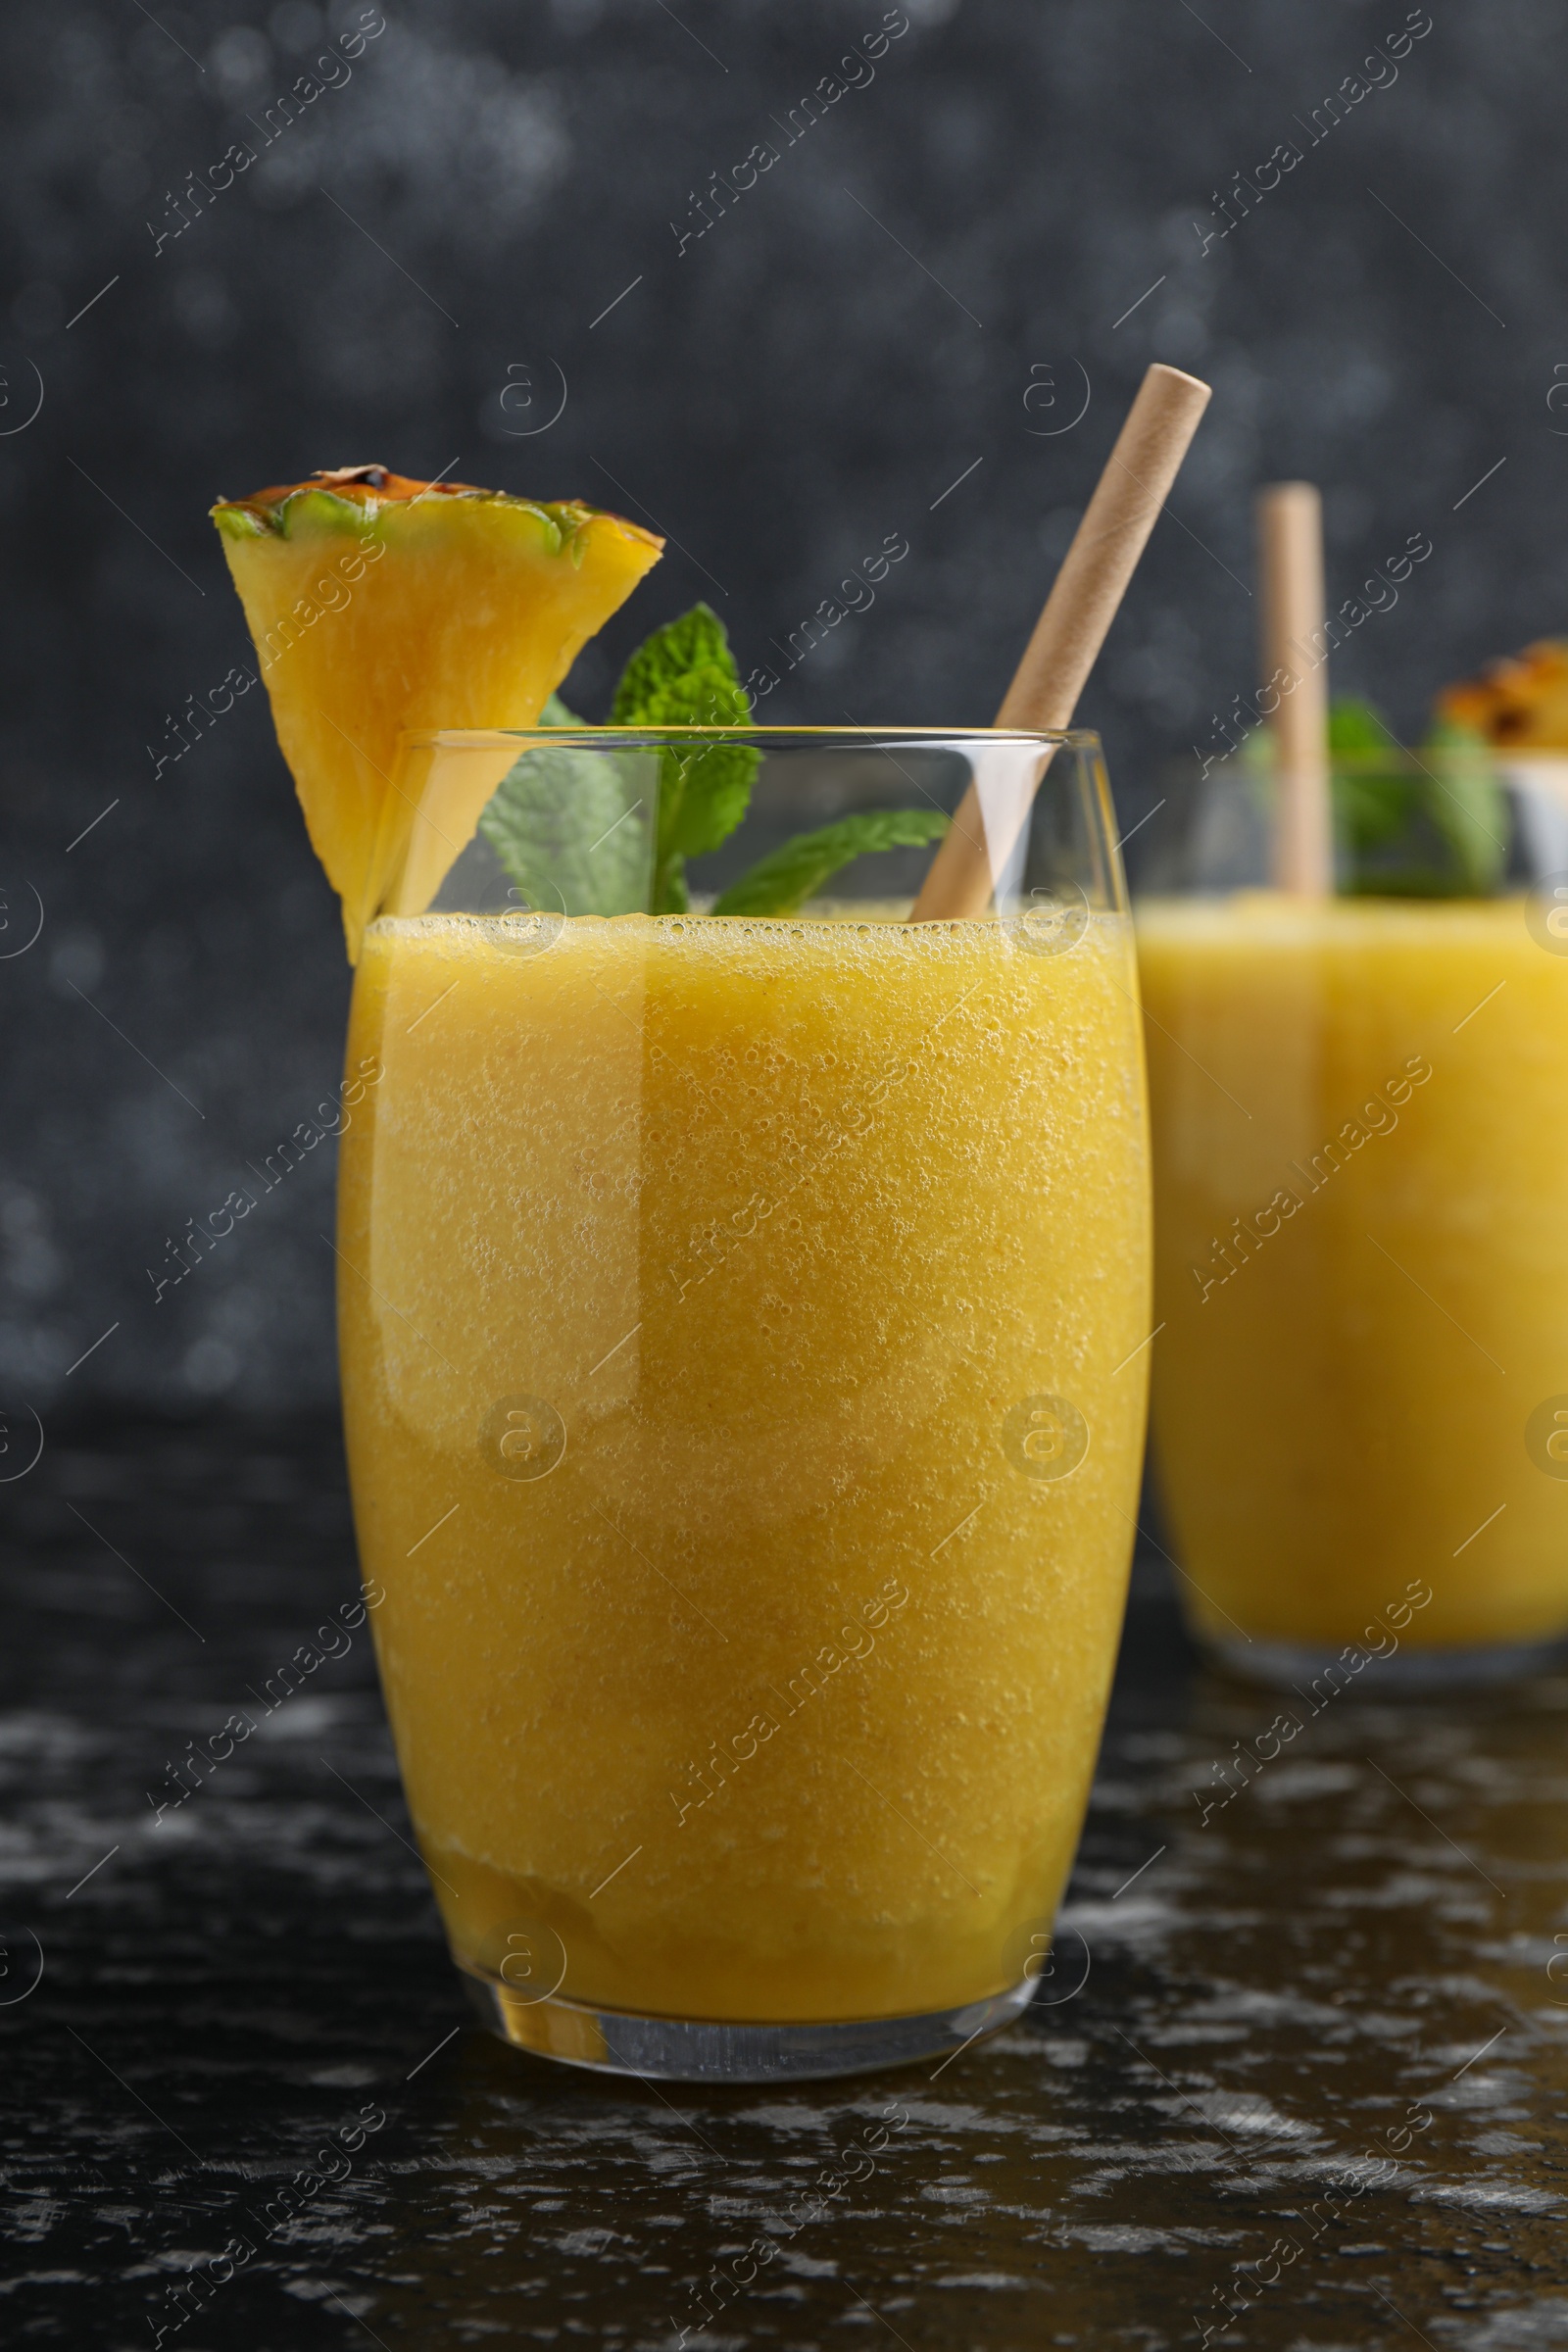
(1072, 627)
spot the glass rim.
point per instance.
(629, 738)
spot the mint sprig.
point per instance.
(685, 676)
(559, 824)
(1426, 824)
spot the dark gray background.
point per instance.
(813, 374)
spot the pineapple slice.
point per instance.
(485, 604)
(1520, 703)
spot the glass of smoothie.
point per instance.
(1360, 1138)
(743, 1324)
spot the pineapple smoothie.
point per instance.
(1360, 1123)
(742, 1298)
(735, 1321)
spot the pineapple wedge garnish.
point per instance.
(1521, 704)
(379, 606)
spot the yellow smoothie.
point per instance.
(1360, 1124)
(735, 1323)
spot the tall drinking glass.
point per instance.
(742, 1329)
(1360, 1132)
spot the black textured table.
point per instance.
(1315, 2087)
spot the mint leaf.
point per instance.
(564, 824)
(784, 880)
(1467, 806)
(1430, 824)
(1355, 728)
(685, 676)
(1374, 798)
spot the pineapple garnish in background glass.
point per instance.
(1519, 703)
(1519, 706)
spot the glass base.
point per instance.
(1296, 1665)
(679, 2049)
